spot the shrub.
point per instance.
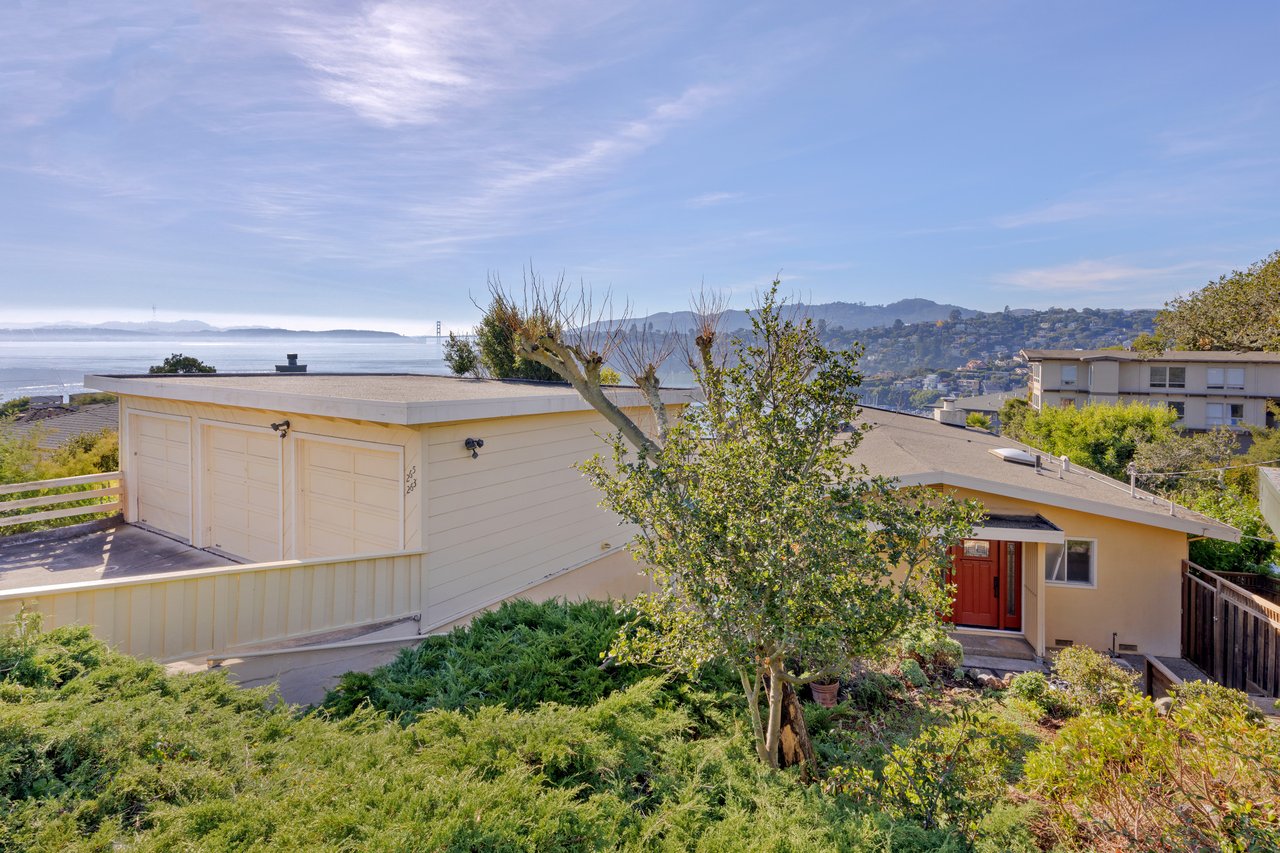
(1029, 686)
(949, 775)
(914, 675)
(1206, 776)
(931, 648)
(461, 356)
(872, 691)
(1093, 680)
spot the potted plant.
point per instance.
(825, 693)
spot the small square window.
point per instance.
(1179, 409)
(977, 548)
(1072, 563)
(1168, 377)
(1069, 374)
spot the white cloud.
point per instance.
(1098, 276)
(711, 199)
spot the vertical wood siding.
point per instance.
(207, 611)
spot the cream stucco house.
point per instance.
(1067, 555)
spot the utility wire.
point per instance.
(1206, 470)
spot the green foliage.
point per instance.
(1204, 776)
(767, 550)
(1029, 686)
(977, 420)
(99, 751)
(948, 775)
(514, 657)
(1011, 415)
(1240, 510)
(1100, 436)
(932, 648)
(1034, 694)
(22, 460)
(461, 356)
(1092, 680)
(609, 376)
(913, 673)
(496, 337)
(179, 363)
(1240, 311)
(17, 405)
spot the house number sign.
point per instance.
(411, 480)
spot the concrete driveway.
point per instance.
(98, 550)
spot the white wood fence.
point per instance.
(63, 491)
(201, 612)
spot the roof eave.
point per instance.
(1195, 527)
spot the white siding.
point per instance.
(518, 513)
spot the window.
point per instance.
(1072, 563)
(1179, 409)
(1225, 377)
(1223, 414)
(1067, 402)
(1069, 374)
(1168, 377)
(977, 548)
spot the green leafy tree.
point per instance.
(461, 356)
(768, 551)
(1240, 311)
(179, 363)
(1100, 436)
(977, 420)
(1011, 415)
(496, 338)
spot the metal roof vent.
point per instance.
(1013, 454)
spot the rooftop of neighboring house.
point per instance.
(56, 424)
(992, 402)
(1201, 356)
(394, 398)
(921, 451)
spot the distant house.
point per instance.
(1206, 389)
(56, 423)
(1066, 556)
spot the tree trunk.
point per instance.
(796, 748)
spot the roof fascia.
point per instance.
(1151, 519)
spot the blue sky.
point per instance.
(368, 164)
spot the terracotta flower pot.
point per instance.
(825, 695)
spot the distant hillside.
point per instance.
(847, 315)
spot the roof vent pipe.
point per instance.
(1037, 463)
(1064, 465)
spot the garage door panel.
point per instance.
(350, 500)
(242, 475)
(161, 457)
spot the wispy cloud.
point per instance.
(1099, 276)
(712, 199)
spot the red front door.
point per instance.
(987, 575)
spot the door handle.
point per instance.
(995, 586)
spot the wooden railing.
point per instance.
(202, 612)
(1230, 632)
(51, 493)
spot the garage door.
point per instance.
(242, 492)
(350, 499)
(161, 481)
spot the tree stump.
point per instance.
(794, 746)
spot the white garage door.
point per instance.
(350, 501)
(242, 492)
(161, 481)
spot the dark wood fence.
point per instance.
(1230, 632)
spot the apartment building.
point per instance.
(1206, 389)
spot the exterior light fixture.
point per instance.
(474, 445)
(282, 428)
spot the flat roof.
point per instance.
(921, 451)
(1210, 356)
(393, 398)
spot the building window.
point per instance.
(1069, 374)
(1035, 400)
(1220, 378)
(1224, 414)
(1073, 563)
(977, 548)
(1067, 402)
(1179, 409)
(1168, 377)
